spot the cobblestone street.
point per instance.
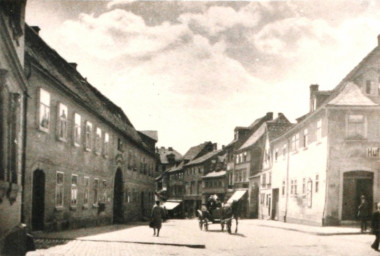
(179, 237)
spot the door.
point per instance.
(38, 200)
(118, 215)
(356, 184)
(275, 193)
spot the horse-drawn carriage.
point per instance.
(216, 213)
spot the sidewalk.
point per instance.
(137, 232)
(315, 230)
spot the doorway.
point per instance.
(356, 184)
(275, 193)
(118, 216)
(38, 200)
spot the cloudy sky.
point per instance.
(195, 70)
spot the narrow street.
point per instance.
(183, 237)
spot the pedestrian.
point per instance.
(363, 213)
(375, 224)
(157, 214)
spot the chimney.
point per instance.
(170, 149)
(36, 29)
(73, 65)
(269, 116)
(313, 90)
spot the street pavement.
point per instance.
(183, 237)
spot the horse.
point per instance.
(230, 212)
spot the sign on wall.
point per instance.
(373, 152)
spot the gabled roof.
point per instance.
(254, 137)
(277, 129)
(165, 152)
(203, 158)
(193, 152)
(350, 95)
(151, 134)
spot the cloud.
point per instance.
(118, 32)
(218, 19)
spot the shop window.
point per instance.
(74, 190)
(44, 110)
(88, 137)
(62, 122)
(77, 129)
(59, 189)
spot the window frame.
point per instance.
(77, 130)
(40, 111)
(62, 122)
(350, 123)
(59, 187)
(74, 187)
(88, 136)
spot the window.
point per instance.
(295, 187)
(44, 118)
(263, 180)
(276, 154)
(303, 186)
(295, 142)
(96, 190)
(368, 85)
(86, 190)
(74, 190)
(356, 126)
(119, 144)
(305, 138)
(98, 140)
(77, 129)
(244, 156)
(316, 183)
(319, 130)
(106, 146)
(104, 189)
(88, 136)
(59, 190)
(62, 121)
(284, 151)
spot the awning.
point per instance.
(170, 205)
(236, 196)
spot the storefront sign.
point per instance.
(373, 152)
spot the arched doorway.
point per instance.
(356, 184)
(118, 198)
(38, 200)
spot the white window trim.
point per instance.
(77, 144)
(88, 144)
(71, 191)
(41, 128)
(56, 189)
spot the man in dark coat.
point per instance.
(158, 213)
(375, 224)
(363, 213)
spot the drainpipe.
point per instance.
(327, 166)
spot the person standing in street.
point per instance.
(157, 214)
(363, 213)
(375, 224)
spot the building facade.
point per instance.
(85, 163)
(329, 159)
(13, 87)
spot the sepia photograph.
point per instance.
(153, 127)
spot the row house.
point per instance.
(175, 175)
(245, 163)
(261, 184)
(13, 94)
(193, 174)
(330, 158)
(85, 163)
(167, 158)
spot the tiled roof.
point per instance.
(351, 95)
(277, 129)
(215, 174)
(204, 158)
(71, 81)
(254, 137)
(151, 134)
(164, 152)
(194, 151)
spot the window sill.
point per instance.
(355, 139)
(106, 157)
(95, 205)
(97, 153)
(76, 145)
(42, 129)
(85, 206)
(87, 149)
(73, 207)
(59, 208)
(62, 139)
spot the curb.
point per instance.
(316, 233)
(195, 246)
